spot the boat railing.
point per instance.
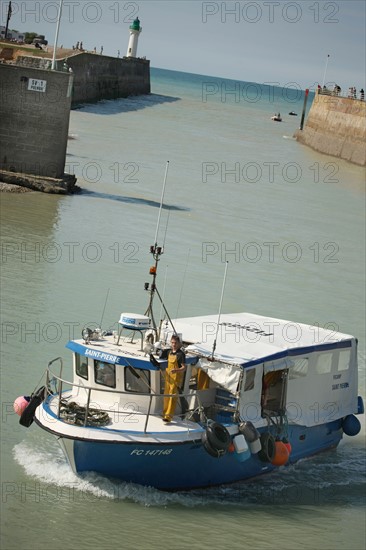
(60, 383)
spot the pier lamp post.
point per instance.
(10, 11)
(56, 36)
(325, 70)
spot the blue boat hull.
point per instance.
(188, 465)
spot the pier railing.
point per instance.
(345, 95)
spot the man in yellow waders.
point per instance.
(173, 377)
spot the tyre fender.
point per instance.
(267, 453)
(216, 439)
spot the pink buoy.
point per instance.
(20, 404)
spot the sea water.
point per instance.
(239, 188)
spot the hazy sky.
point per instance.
(261, 41)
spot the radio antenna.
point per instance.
(156, 252)
(166, 228)
(161, 203)
(220, 306)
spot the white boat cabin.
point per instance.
(260, 367)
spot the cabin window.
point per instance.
(105, 374)
(299, 369)
(249, 379)
(324, 363)
(344, 360)
(81, 366)
(137, 380)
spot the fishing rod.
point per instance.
(220, 306)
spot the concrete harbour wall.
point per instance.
(336, 126)
(35, 105)
(34, 120)
(99, 77)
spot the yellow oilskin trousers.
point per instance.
(203, 380)
(173, 382)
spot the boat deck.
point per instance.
(127, 426)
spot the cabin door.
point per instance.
(274, 390)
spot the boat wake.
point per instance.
(60, 481)
(50, 466)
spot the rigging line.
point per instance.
(167, 314)
(39, 382)
(161, 307)
(161, 203)
(140, 378)
(220, 306)
(184, 278)
(201, 355)
(105, 303)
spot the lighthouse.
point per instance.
(135, 30)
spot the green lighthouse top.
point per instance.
(135, 25)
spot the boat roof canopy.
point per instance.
(247, 339)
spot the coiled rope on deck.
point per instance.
(75, 414)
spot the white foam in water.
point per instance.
(50, 466)
(45, 461)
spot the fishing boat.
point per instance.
(292, 113)
(257, 394)
(277, 118)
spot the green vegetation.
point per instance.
(29, 37)
(28, 50)
(15, 46)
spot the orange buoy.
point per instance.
(231, 448)
(281, 454)
(287, 444)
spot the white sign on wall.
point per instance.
(37, 85)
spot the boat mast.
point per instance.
(156, 252)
